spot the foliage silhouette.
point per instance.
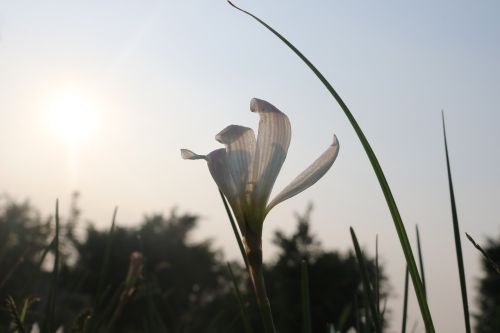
(488, 318)
(160, 280)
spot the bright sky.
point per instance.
(144, 79)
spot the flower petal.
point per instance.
(189, 155)
(272, 146)
(219, 169)
(309, 176)
(240, 147)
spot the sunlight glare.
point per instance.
(73, 117)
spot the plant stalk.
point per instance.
(253, 249)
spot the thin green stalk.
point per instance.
(492, 263)
(391, 203)
(377, 277)
(306, 301)
(366, 283)
(456, 231)
(405, 303)
(235, 228)
(107, 255)
(48, 321)
(421, 260)
(244, 313)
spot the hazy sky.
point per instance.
(151, 77)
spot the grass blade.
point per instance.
(107, 255)
(306, 301)
(235, 228)
(405, 303)
(48, 321)
(492, 263)
(391, 203)
(244, 313)
(456, 231)
(366, 283)
(377, 277)
(421, 260)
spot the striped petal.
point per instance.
(240, 147)
(273, 140)
(309, 176)
(218, 166)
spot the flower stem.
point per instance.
(253, 248)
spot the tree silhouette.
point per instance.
(488, 319)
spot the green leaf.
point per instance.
(456, 231)
(366, 283)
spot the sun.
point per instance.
(72, 116)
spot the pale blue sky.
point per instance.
(165, 75)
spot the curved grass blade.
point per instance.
(244, 313)
(421, 260)
(366, 283)
(235, 228)
(306, 301)
(492, 263)
(391, 203)
(405, 303)
(456, 231)
(107, 256)
(48, 321)
(377, 279)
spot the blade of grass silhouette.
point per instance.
(405, 303)
(235, 228)
(344, 317)
(366, 282)
(391, 203)
(377, 282)
(421, 260)
(48, 320)
(244, 313)
(107, 255)
(483, 252)
(456, 231)
(16, 323)
(306, 301)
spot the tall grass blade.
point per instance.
(492, 263)
(456, 231)
(235, 228)
(48, 321)
(306, 300)
(357, 314)
(244, 313)
(377, 277)
(405, 303)
(366, 283)
(391, 203)
(15, 317)
(107, 255)
(421, 260)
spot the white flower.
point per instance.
(245, 171)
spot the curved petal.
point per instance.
(189, 155)
(219, 169)
(218, 166)
(309, 176)
(240, 147)
(272, 146)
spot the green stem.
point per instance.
(253, 247)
